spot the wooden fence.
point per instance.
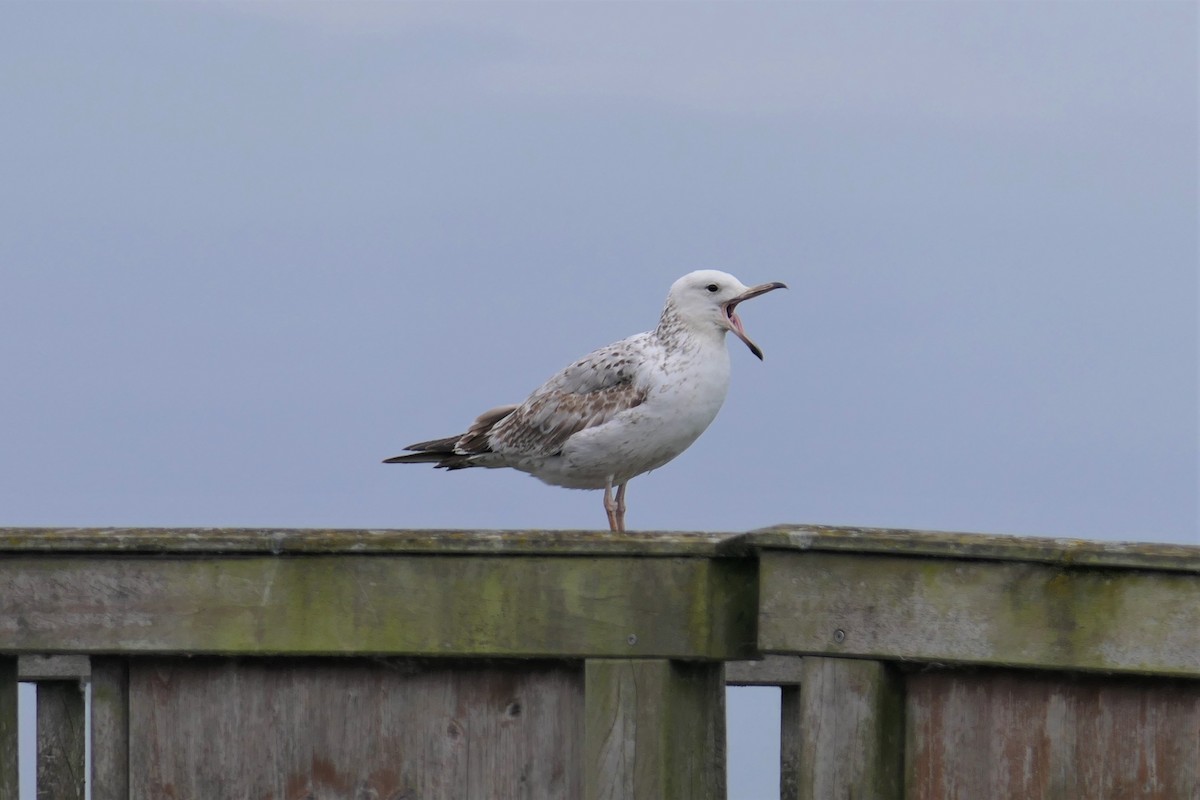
(321, 664)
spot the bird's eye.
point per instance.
(712, 287)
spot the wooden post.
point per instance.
(654, 728)
(110, 728)
(60, 738)
(850, 739)
(10, 786)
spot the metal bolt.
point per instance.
(839, 635)
(632, 638)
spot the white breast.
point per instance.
(684, 392)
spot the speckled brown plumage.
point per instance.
(620, 411)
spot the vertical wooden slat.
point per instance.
(110, 729)
(9, 731)
(285, 729)
(60, 738)
(654, 728)
(852, 723)
(790, 732)
(996, 733)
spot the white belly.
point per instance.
(676, 411)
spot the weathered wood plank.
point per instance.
(1077, 552)
(410, 605)
(350, 728)
(654, 729)
(53, 668)
(999, 734)
(60, 740)
(10, 786)
(767, 671)
(791, 741)
(276, 541)
(975, 612)
(897, 541)
(851, 731)
(110, 728)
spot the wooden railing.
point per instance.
(454, 664)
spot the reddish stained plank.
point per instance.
(973, 735)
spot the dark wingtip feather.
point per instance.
(439, 459)
(446, 445)
(417, 458)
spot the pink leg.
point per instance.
(610, 506)
(620, 504)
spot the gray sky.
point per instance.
(248, 251)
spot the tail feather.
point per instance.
(446, 445)
(455, 452)
(440, 460)
(439, 452)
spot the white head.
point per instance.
(708, 297)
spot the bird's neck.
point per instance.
(673, 329)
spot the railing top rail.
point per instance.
(891, 541)
(299, 541)
(977, 546)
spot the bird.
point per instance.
(620, 411)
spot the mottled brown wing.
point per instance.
(543, 423)
(475, 440)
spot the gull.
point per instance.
(619, 411)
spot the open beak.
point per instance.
(735, 324)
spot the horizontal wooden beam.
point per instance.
(980, 546)
(766, 671)
(461, 605)
(941, 610)
(53, 668)
(814, 538)
(285, 541)
(889, 595)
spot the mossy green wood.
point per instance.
(463, 605)
(990, 547)
(978, 612)
(653, 729)
(282, 541)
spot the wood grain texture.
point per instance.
(894, 541)
(943, 544)
(979, 735)
(9, 729)
(466, 605)
(280, 541)
(979, 612)
(654, 729)
(791, 741)
(767, 671)
(851, 731)
(344, 729)
(53, 668)
(110, 728)
(60, 740)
